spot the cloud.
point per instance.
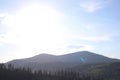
(1, 39)
(93, 5)
(92, 38)
(2, 15)
(96, 38)
(74, 48)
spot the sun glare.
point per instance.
(36, 28)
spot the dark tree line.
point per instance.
(10, 73)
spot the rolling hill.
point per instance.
(53, 62)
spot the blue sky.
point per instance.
(31, 27)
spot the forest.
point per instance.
(107, 71)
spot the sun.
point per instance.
(36, 28)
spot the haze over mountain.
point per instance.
(53, 62)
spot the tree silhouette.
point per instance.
(101, 73)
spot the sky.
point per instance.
(32, 27)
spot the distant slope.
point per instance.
(85, 57)
(109, 71)
(52, 62)
(42, 58)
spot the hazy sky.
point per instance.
(31, 27)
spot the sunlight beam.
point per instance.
(35, 28)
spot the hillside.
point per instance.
(109, 71)
(53, 62)
(101, 71)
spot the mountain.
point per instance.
(53, 62)
(85, 57)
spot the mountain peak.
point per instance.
(43, 55)
(84, 52)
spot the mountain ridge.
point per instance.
(50, 62)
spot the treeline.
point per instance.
(11, 73)
(94, 72)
